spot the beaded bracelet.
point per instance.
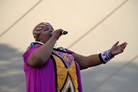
(106, 56)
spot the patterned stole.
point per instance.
(66, 72)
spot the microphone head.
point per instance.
(64, 32)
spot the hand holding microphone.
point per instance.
(57, 33)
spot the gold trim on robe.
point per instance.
(67, 80)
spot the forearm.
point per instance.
(93, 60)
(87, 61)
(41, 55)
(97, 59)
(45, 51)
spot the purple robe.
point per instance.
(44, 79)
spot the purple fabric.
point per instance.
(42, 79)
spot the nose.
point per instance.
(51, 33)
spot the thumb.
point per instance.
(116, 43)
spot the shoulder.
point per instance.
(32, 47)
(34, 44)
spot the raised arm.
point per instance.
(41, 55)
(97, 59)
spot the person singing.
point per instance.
(50, 69)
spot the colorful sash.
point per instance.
(66, 72)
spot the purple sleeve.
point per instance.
(28, 53)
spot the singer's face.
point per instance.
(45, 33)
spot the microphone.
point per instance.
(64, 32)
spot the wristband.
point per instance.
(106, 56)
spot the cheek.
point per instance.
(44, 35)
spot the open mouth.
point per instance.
(50, 34)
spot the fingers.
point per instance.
(57, 33)
(116, 43)
(120, 46)
(123, 45)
